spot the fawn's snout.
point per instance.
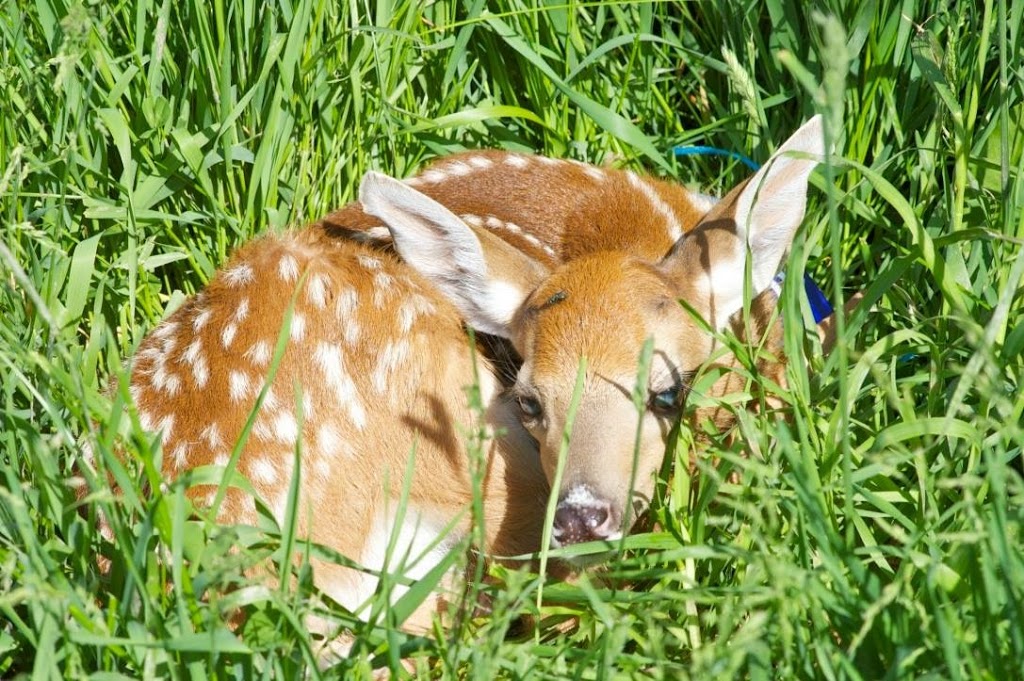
(581, 517)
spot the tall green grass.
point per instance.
(875, 534)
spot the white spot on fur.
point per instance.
(172, 385)
(388, 362)
(238, 385)
(162, 379)
(672, 225)
(239, 275)
(286, 428)
(165, 330)
(258, 353)
(211, 436)
(458, 168)
(407, 314)
(480, 162)
(516, 229)
(548, 161)
(288, 268)
(352, 331)
(346, 302)
(317, 290)
(517, 161)
(180, 455)
(410, 309)
(511, 227)
(165, 427)
(531, 239)
(201, 320)
(298, 328)
(191, 354)
(382, 285)
(270, 402)
(227, 336)
(221, 459)
(242, 311)
(149, 354)
(264, 471)
(330, 359)
(434, 176)
(368, 262)
(329, 442)
(595, 174)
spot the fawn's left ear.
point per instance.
(763, 214)
(484, 277)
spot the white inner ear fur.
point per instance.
(767, 214)
(426, 234)
(440, 246)
(503, 299)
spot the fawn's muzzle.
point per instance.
(582, 517)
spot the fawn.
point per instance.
(563, 260)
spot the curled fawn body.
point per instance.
(563, 260)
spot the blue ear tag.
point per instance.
(820, 307)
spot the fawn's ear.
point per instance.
(761, 214)
(485, 278)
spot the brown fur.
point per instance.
(555, 201)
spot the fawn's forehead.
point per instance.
(603, 307)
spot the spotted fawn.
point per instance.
(556, 259)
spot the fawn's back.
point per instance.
(552, 210)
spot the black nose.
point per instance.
(583, 521)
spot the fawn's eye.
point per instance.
(666, 402)
(669, 402)
(529, 407)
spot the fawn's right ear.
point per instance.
(761, 215)
(485, 278)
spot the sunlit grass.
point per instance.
(876, 533)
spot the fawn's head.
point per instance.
(603, 308)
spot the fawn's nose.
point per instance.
(582, 517)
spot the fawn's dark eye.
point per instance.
(666, 402)
(669, 402)
(529, 407)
